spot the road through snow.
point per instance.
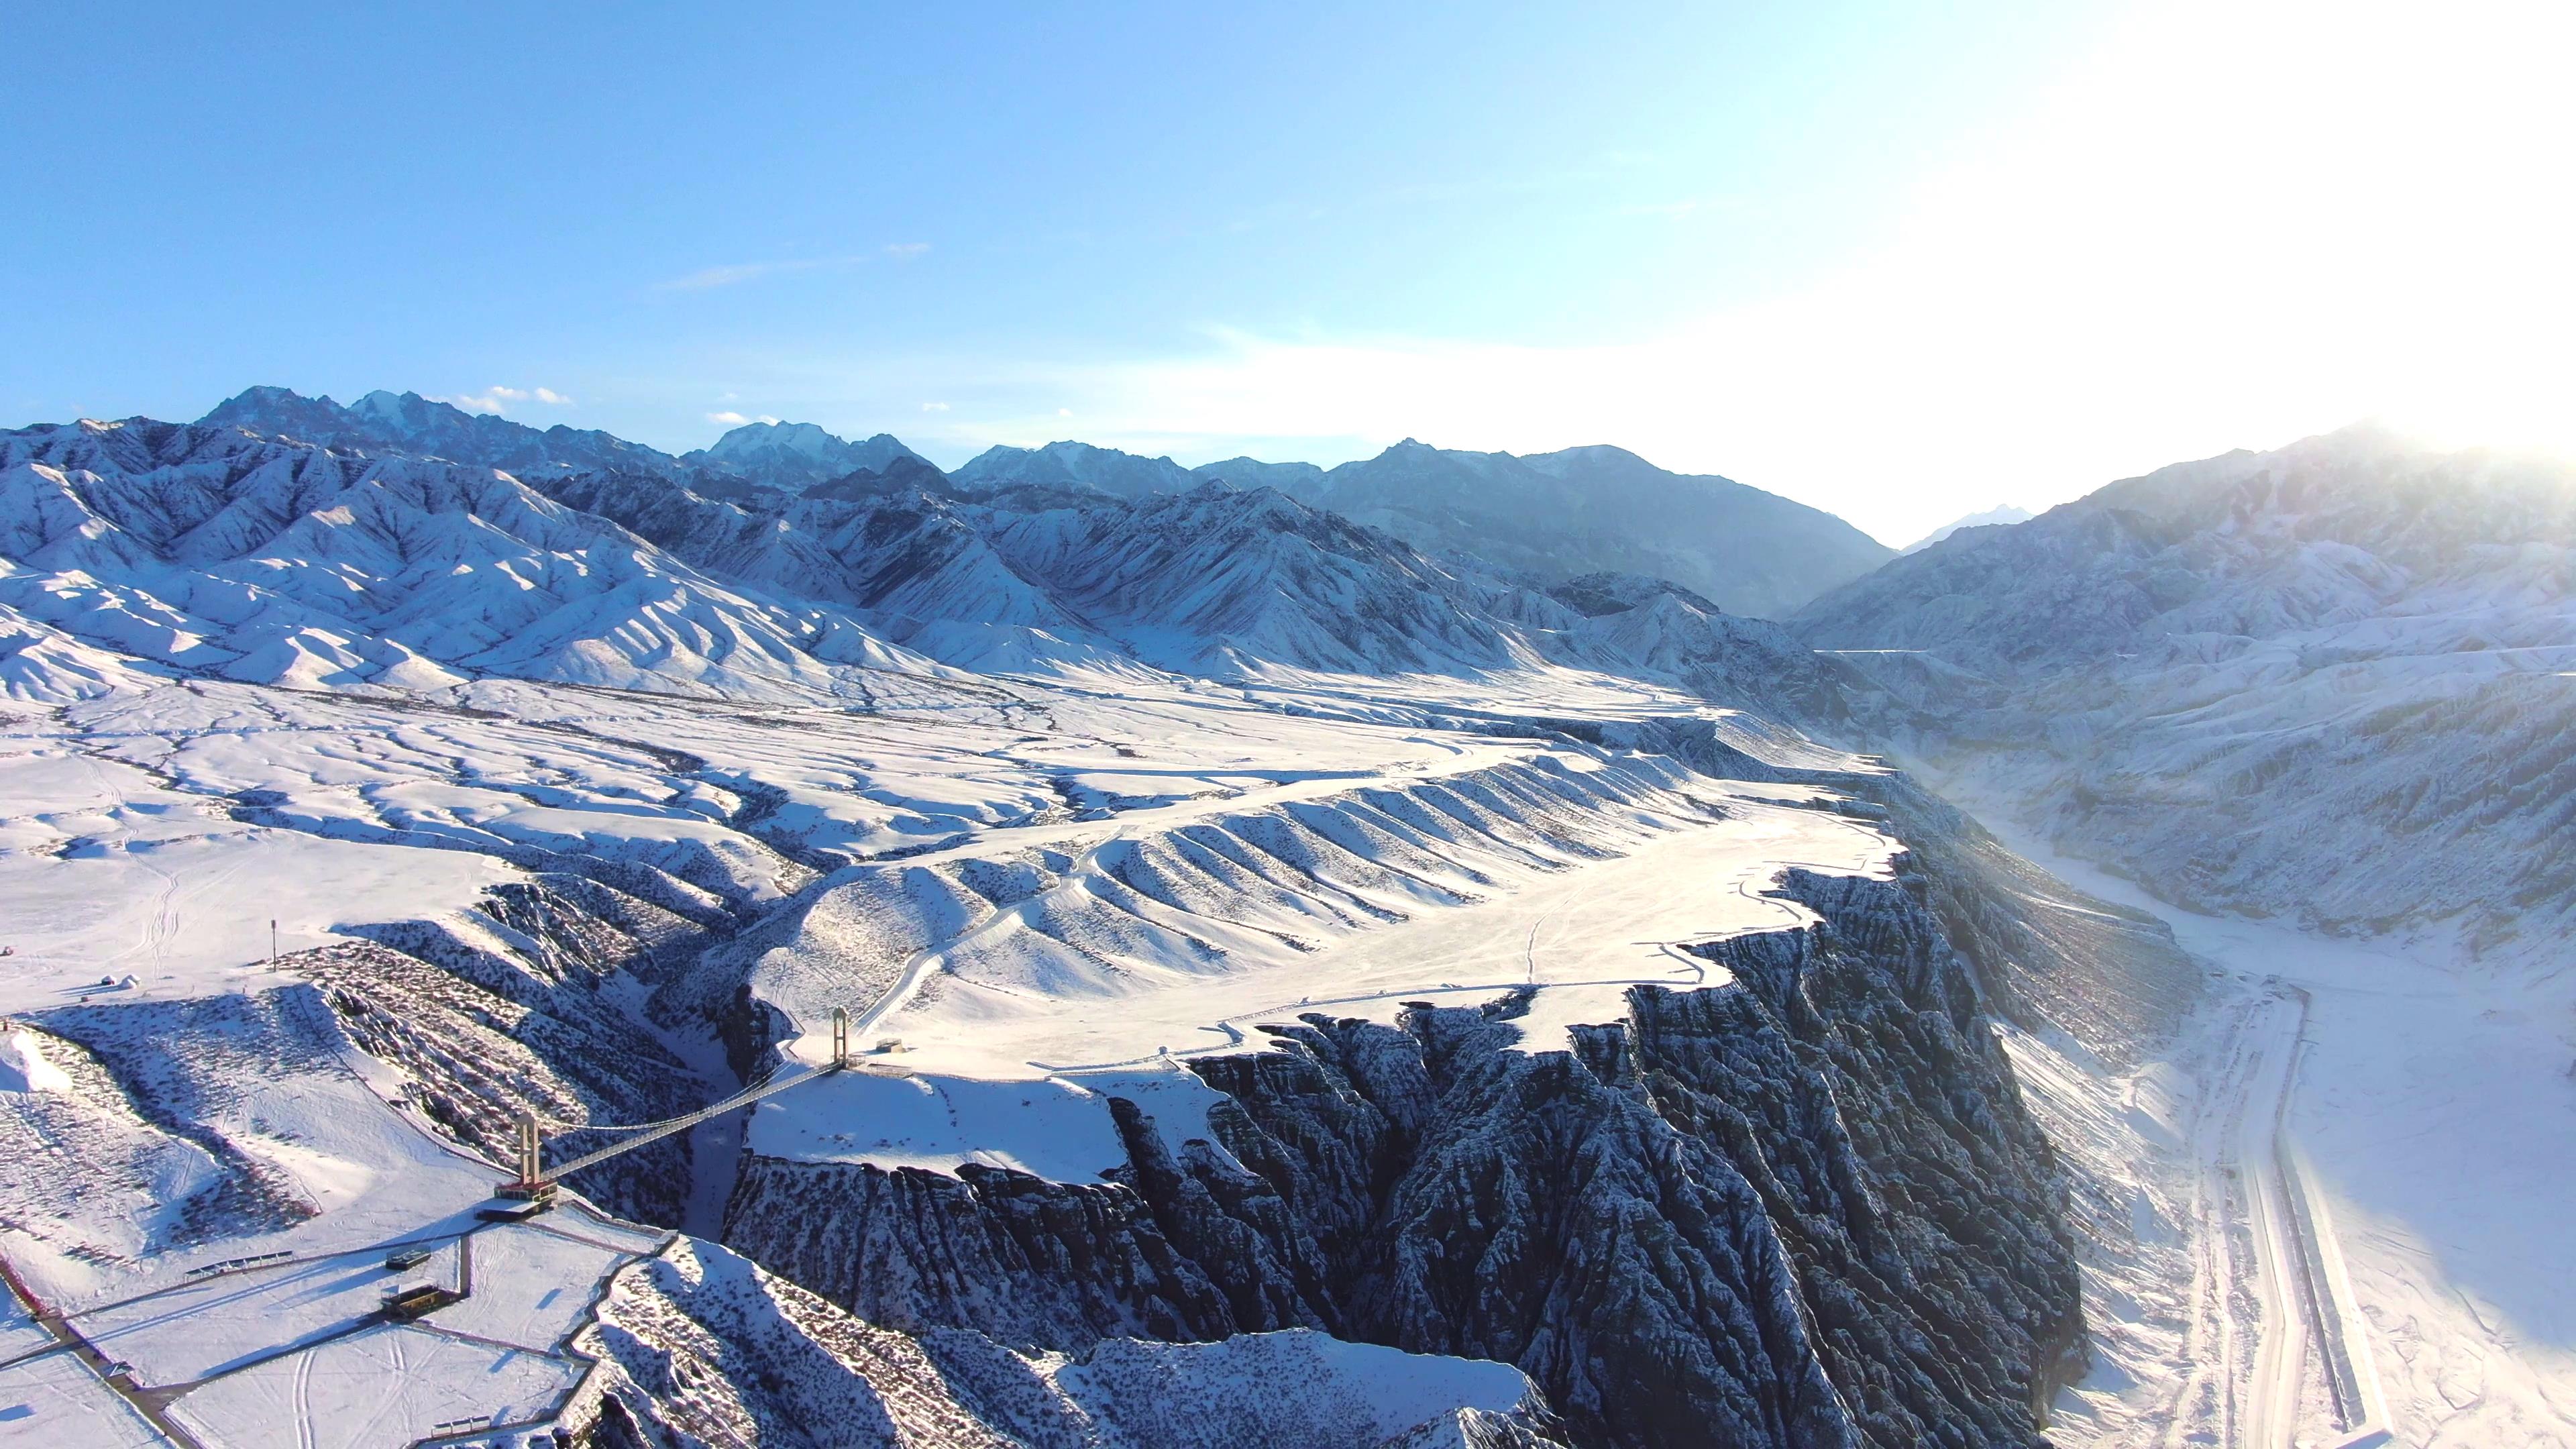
(2405, 1149)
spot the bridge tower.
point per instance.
(531, 1182)
(840, 1037)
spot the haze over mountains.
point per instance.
(2330, 681)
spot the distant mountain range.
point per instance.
(2331, 681)
(1543, 517)
(2000, 515)
(1547, 515)
(1585, 510)
(243, 551)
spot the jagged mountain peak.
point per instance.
(1296, 479)
(272, 411)
(387, 422)
(798, 456)
(906, 472)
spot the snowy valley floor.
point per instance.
(2430, 1126)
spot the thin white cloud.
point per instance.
(934, 407)
(729, 419)
(906, 251)
(708, 278)
(496, 400)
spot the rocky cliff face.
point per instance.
(1804, 1208)
(698, 1346)
(507, 1009)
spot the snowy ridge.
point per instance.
(406, 423)
(275, 564)
(1075, 465)
(797, 456)
(1581, 510)
(211, 551)
(2315, 698)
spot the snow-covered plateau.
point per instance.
(1190, 970)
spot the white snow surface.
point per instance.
(1015, 1029)
(2429, 1104)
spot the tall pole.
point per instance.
(272, 943)
(840, 1036)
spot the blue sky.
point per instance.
(1901, 261)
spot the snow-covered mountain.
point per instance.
(1581, 510)
(1547, 516)
(1074, 465)
(2327, 682)
(386, 422)
(1295, 479)
(1307, 987)
(796, 456)
(208, 549)
(2002, 514)
(1584, 510)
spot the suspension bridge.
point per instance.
(536, 1180)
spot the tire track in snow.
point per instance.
(2251, 1182)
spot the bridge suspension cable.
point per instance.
(536, 1183)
